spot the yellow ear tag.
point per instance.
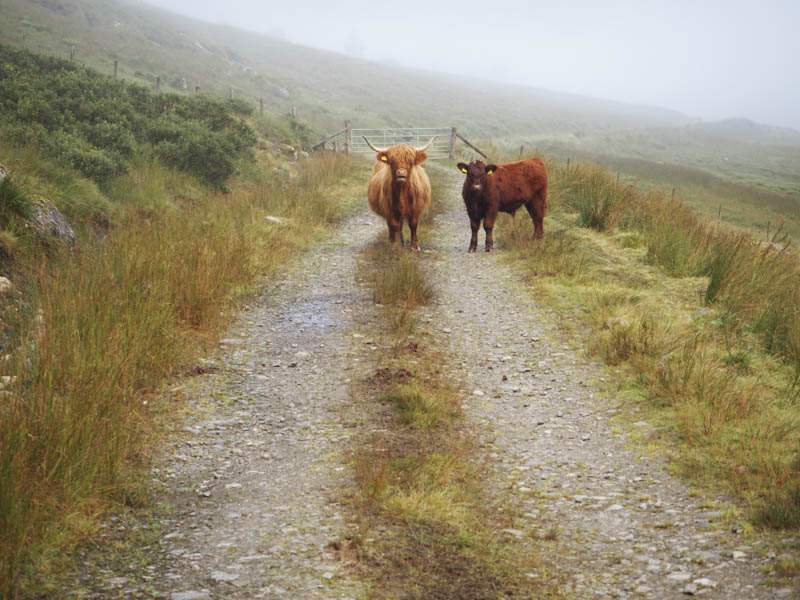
(489, 172)
(463, 170)
(383, 158)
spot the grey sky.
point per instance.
(712, 59)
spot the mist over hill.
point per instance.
(325, 87)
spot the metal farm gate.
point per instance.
(444, 146)
(413, 136)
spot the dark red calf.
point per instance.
(489, 189)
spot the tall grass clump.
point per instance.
(600, 201)
(97, 331)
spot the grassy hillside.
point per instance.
(738, 150)
(327, 88)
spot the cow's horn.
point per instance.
(428, 145)
(371, 146)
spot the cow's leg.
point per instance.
(413, 221)
(473, 242)
(488, 227)
(394, 230)
(536, 211)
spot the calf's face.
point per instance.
(401, 159)
(476, 173)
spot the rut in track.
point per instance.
(628, 529)
(253, 475)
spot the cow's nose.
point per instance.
(402, 173)
(476, 186)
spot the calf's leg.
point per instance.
(473, 242)
(536, 211)
(488, 227)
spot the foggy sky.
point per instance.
(712, 59)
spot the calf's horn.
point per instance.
(373, 147)
(426, 146)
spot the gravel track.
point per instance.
(253, 475)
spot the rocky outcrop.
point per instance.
(48, 220)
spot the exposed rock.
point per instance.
(47, 219)
(5, 285)
(190, 596)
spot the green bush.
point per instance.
(95, 124)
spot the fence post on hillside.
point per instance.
(348, 137)
(567, 164)
(116, 66)
(294, 112)
(261, 106)
(71, 52)
(452, 149)
(158, 84)
(673, 194)
(522, 146)
(197, 89)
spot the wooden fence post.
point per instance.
(520, 150)
(673, 194)
(158, 84)
(116, 65)
(71, 53)
(567, 164)
(348, 137)
(197, 89)
(452, 149)
(294, 112)
(261, 106)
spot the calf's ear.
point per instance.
(491, 169)
(462, 167)
(421, 157)
(382, 157)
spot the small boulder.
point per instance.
(5, 285)
(47, 219)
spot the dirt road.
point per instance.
(252, 477)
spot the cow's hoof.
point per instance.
(472, 250)
(415, 248)
(490, 249)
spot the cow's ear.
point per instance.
(421, 157)
(382, 157)
(462, 167)
(491, 169)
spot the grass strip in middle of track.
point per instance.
(429, 525)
